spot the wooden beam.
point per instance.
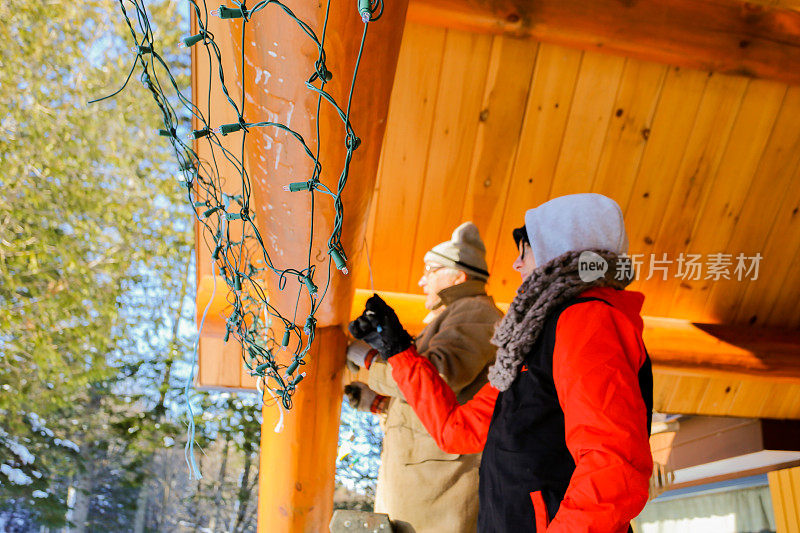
(683, 348)
(676, 347)
(727, 36)
(295, 486)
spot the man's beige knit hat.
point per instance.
(464, 251)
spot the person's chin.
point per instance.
(430, 303)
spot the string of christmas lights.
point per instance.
(241, 256)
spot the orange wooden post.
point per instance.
(785, 488)
(297, 465)
(296, 478)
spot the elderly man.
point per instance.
(418, 483)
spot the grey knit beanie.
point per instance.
(465, 251)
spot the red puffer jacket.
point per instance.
(598, 353)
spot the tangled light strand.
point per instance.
(241, 259)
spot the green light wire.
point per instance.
(239, 260)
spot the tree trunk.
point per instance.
(80, 510)
(141, 498)
(141, 508)
(223, 470)
(243, 498)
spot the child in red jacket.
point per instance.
(564, 422)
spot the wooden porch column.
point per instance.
(296, 477)
(784, 485)
(297, 465)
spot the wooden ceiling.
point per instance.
(482, 127)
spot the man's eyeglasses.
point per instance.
(430, 269)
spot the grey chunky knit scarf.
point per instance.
(545, 289)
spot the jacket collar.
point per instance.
(471, 287)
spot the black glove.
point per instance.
(379, 327)
(362, 398)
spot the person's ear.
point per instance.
(461, 277)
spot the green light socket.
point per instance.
(312, 289)
(292, 368)
(298, 186)
(338, 260)
(286, 336)
(198, 134)
(225, 12)
(192, 40)
(208, 212)
(229, 128)
(363, 10)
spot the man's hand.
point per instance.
(360, 355)
(362, 398)
(379, 326)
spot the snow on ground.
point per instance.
(16, 448)
(15, 475)
(67, 444)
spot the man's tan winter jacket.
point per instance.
(434, 491)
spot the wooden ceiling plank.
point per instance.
(406, 147)
(726, 36)
(455, 124)
(666, 142)
(794, 316)
(718, 397)
(751, 398)
(671, 127)
(363, 271)
(689, 390)
(664, 387)
(724, 199)
(784, 309)
(587, 126)
(789, 407)
(498, 135)
(761, 295)
(704, 151)
(544, 123)
(724, 396)
(771, 184)
(629, 127)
